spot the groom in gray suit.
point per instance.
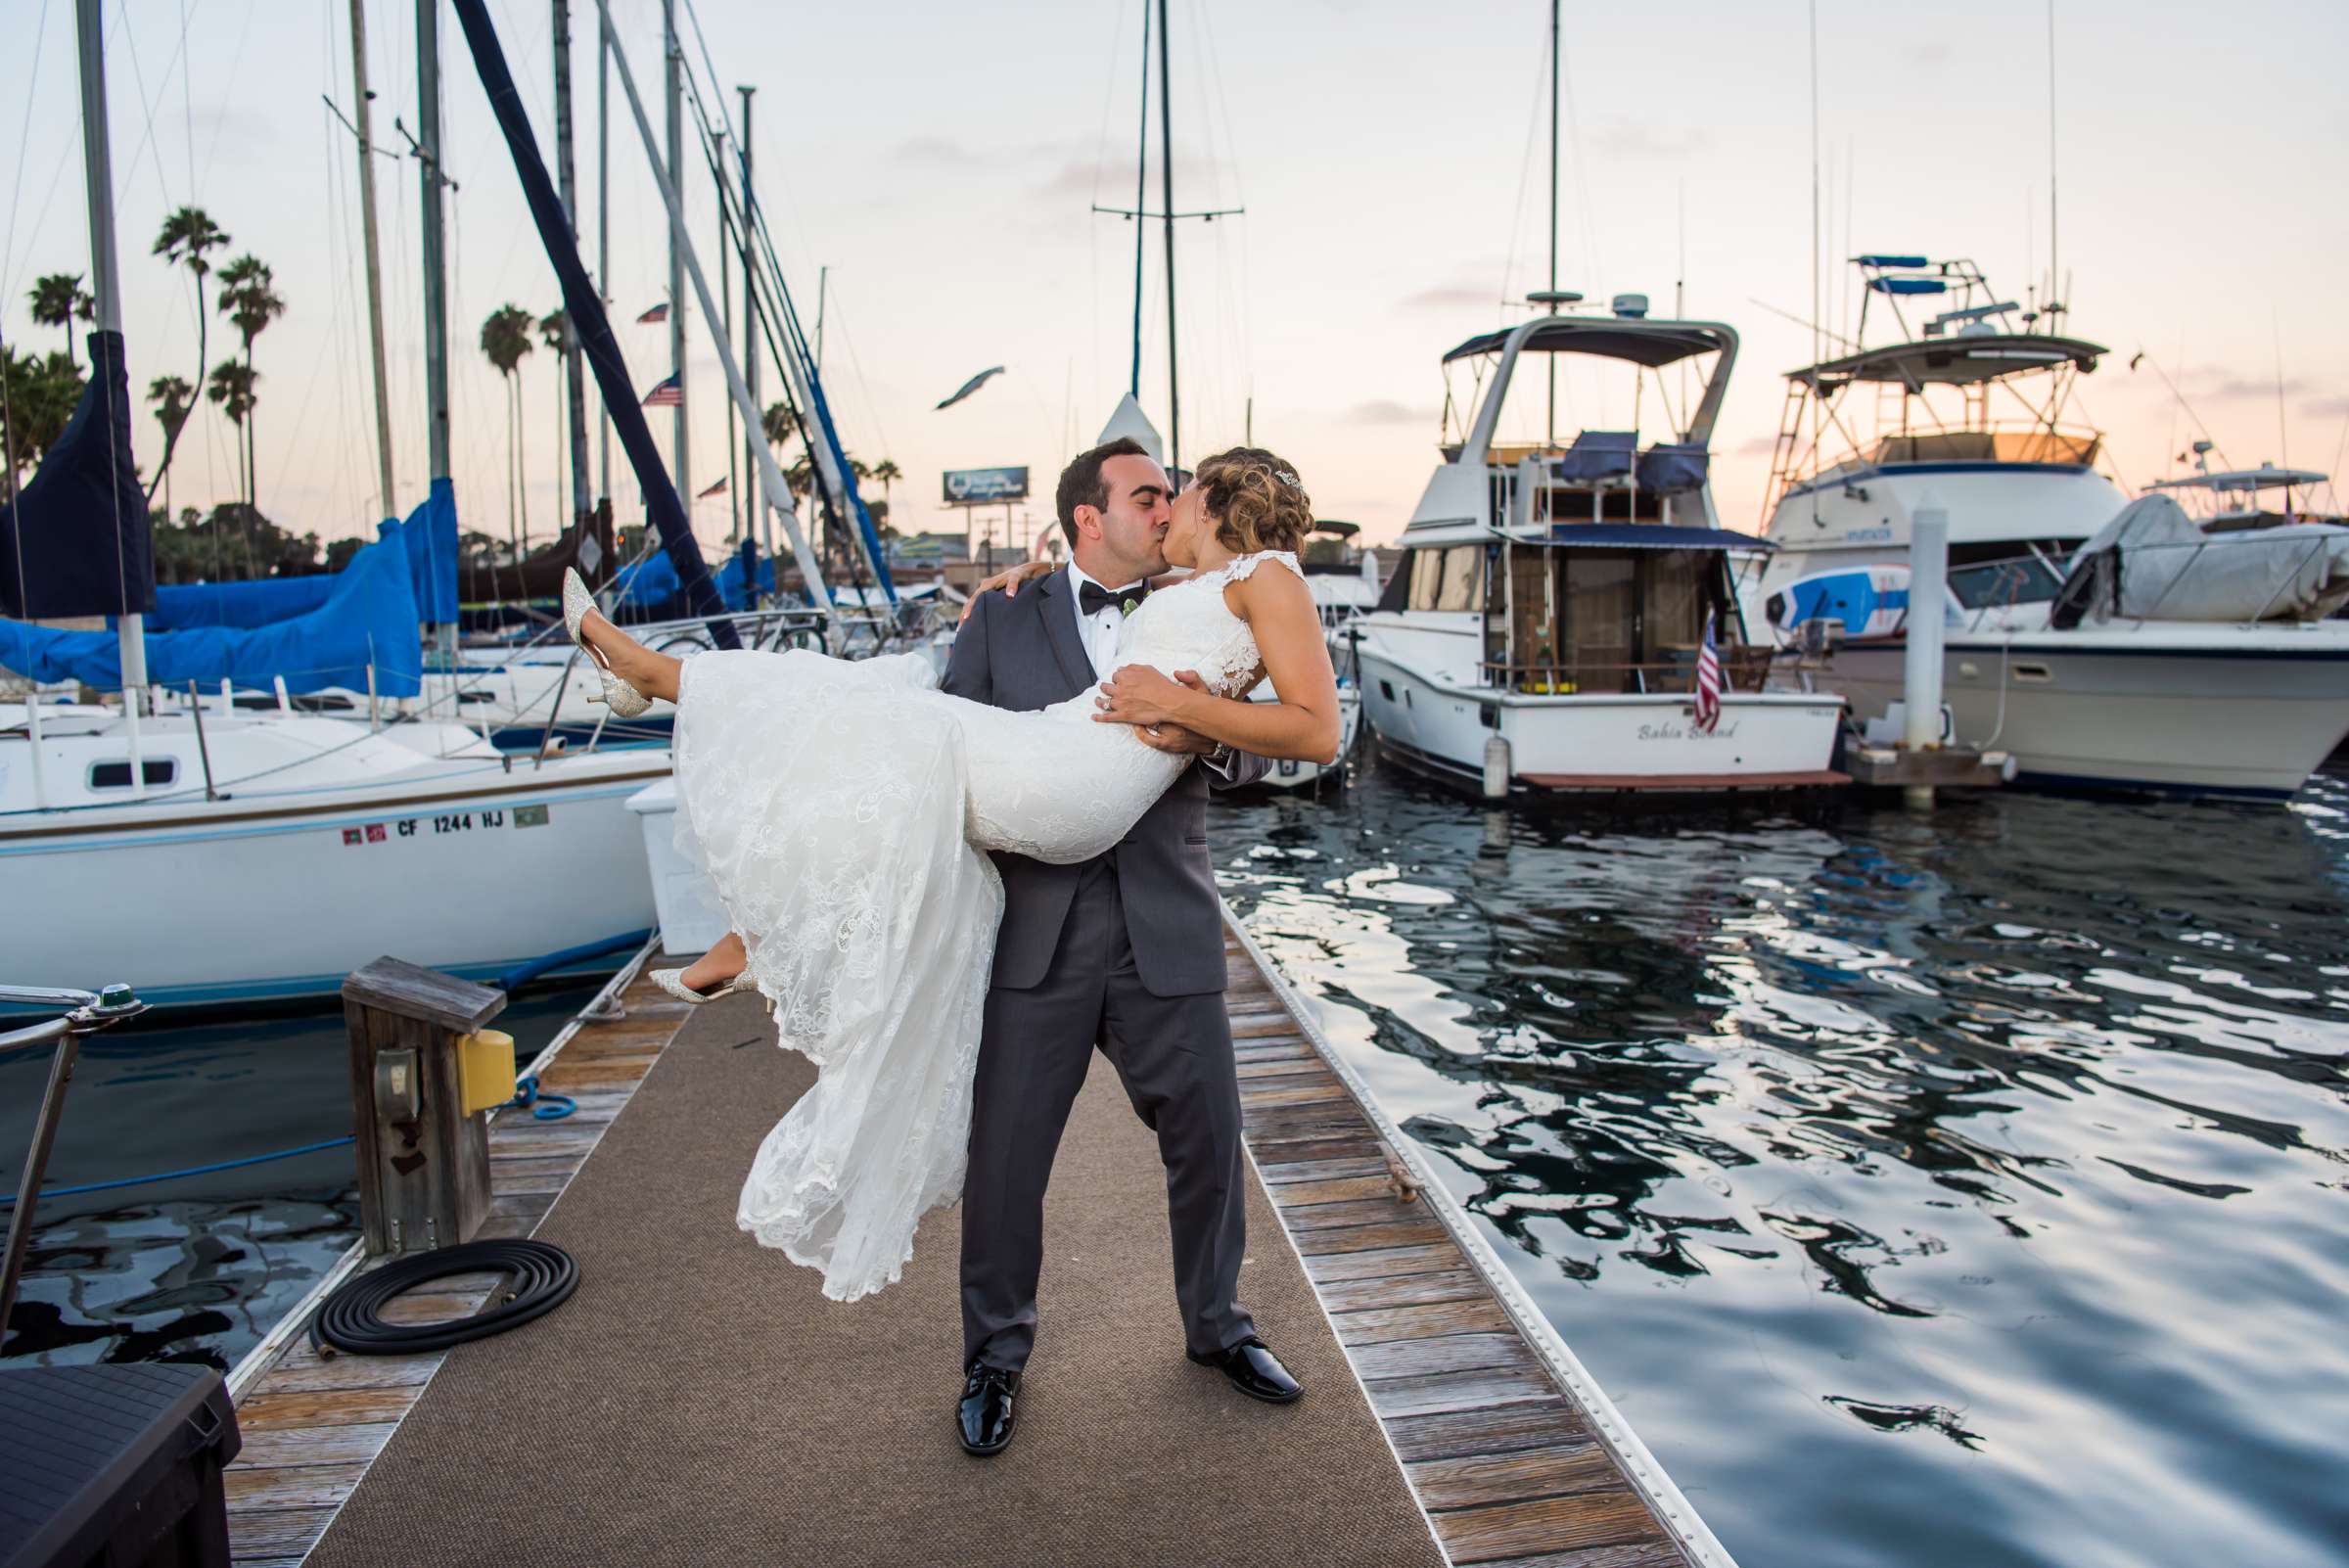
(1124, 951)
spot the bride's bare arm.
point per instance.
(1304, 724)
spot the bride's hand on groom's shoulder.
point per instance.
(1008, 581)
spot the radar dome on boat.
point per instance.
(1631, 306)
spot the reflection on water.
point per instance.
(1960, 1189)
(200, 1268)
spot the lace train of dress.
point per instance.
(840, 810)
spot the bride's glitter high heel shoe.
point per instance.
(625, 700)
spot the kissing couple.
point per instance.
(950, 892)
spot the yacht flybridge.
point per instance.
(1545, 627)
(1971, 410)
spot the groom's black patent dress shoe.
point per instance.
(984, 1416)
(1253, 1370)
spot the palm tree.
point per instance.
(57, 300)
(884, 471)
(777, 426)
(231, 386)
(554, 334)
(173, 399)
(250, 300)
(505, 339)
(186, 235)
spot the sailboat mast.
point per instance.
(753, 431)
(434, 248)
(1141, 230)
(106, 289)
(603, 228)
(574, 363)
(1556, 71)
(673, 59)
(1166, 175)
(363, 115)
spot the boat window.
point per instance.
(2017, 579)
(1463, 578)
(116, 775)
(1450, 579)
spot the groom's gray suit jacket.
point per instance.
(1024, 653)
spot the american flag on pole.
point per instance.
(669, 394)
(1708, 683)
(658, 312)
(720, 488)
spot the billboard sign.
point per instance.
(974, 486)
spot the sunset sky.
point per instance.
(1391, 160)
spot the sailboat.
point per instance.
(231, 857)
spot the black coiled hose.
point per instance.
(539, 1277)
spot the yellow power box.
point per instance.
(485, 1069)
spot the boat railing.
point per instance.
(85, 1012)
(1744, 668)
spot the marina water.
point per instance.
(201, 1267)
(1959, 1189)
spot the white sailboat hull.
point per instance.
(462, 864)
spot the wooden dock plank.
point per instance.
(1399, 1292)
(1515, 1529)
(275, 1532)
(1499, 1429)
(1424, 1258)
(1446, 1354)
(1466, 1313)
(1476, 1480)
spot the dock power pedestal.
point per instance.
(424, 1074)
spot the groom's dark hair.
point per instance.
(1082, 484)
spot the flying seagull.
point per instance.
(971, 385)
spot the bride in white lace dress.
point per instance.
(840, 810)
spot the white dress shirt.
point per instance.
(1099, 632)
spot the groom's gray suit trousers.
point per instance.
(1174, 1055)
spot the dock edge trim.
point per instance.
(1671, 1508)
(263, 1355)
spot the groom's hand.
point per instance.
(1010, 582)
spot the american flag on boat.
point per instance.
(658, 312)
(720, 488)
(1708, 683)
(669, 394)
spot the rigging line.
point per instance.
(236, 63)
(1525, 174)
(15, 196)
(1582, 167)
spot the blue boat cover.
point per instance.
(368, 618)
(76, 542)
(1670, 468)
(744, 576)
(1598, 454)
(1907, 285)
(429, 538)
(1892, 260)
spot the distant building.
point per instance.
(928, 549)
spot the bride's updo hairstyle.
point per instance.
(1255, 500)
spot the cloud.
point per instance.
(1387, 411)
(2327, 408)
(1452, 297)
(1926, 58)
(1635, 139)
(933, 152)
(1081, 174)
(2231, 388)
(1757, 446)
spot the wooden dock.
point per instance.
(1512, 1455)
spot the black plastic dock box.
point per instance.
(114, 1465)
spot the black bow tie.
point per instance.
(1092, 598)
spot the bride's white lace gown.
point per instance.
(840, 810)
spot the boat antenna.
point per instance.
(1142, 231)
(1166, 192)
(1551, 428)
(2054, 303)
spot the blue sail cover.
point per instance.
(744, 576)
(368, 618)
(76, 542)
(429, 538)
